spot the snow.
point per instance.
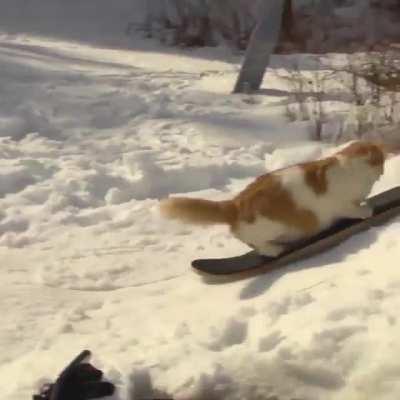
(94, 130)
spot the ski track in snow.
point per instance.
(89, 141)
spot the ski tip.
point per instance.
(197, 264)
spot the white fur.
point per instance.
(262, 233)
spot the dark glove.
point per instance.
(78, 381)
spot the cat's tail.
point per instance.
(199, 211)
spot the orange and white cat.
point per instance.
(291, 203)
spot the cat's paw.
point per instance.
(363, 211)
(271, 249)
(366, 211)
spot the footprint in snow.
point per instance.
(270, 342)
(276, 309)
(247, 312)
(341, 313)
(234, 333)
(314, 374)
(377, 294)
(302, 299)
(182, 330)
(363, 272)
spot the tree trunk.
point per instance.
(263, 42)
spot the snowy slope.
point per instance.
(90, 139)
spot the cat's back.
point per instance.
(279, 196)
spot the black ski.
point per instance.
(385, 205)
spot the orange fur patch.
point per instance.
(267, 197)
(315, 173)
(199, 211)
